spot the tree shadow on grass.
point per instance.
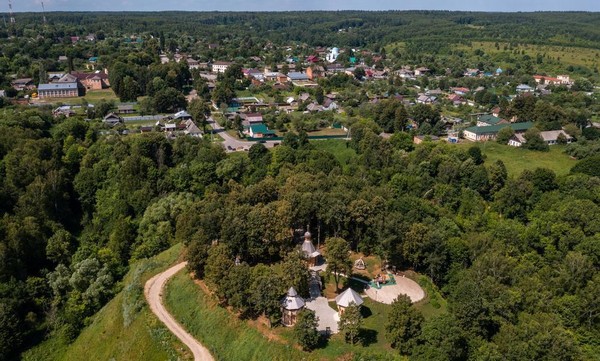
(368, 337)
(365, 311)
(323, 340)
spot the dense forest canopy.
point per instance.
(344, 28)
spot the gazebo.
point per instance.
(346, 298)
(291, 305)
(310, 252)
(360, 264)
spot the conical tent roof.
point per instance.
(348, 297)
(292, 301)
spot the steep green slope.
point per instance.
(124, 329)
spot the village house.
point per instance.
(193, 63)
(259, 130)
(315, 71)
(192, 129)
(220, 66)
(405, 73)
(23, 84)
(559, 80)
(456, 99)
(422, 71)
(296, 76)
(460, 90)
(550, 137)
(481, 134)
(125, 109)
(524, 88)
(112, 119)
(426, 99)
(65, 110)
(251, 118)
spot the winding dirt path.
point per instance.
(153, 292)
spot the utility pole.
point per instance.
(10, 11)
(44, 13)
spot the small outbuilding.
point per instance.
(291, 305)
(346, 298)
(112, 119)
(310, 252)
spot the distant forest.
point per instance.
(345, 28)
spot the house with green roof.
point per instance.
(481, 134)
(489, 119)
(259, 130)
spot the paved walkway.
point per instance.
(387, 294)
(328, 317)
(153, 292)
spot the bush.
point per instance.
(305, 330)
(589, 166)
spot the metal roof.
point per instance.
(58, 86)
(348, 297)
(493, 129)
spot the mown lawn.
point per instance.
(124, 329)
(517, 160)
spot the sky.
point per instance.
(287, 5)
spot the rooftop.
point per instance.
(58, 86)
(493, 129)
(348, 297)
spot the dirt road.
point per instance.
(153, 292)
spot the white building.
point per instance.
(220, 66)
(333, 55)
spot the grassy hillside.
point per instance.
(124, 329)
(229, 338)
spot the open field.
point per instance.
(342, 152)
(517, 160)
(566, 55)
(94, 96)
(124, 329)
